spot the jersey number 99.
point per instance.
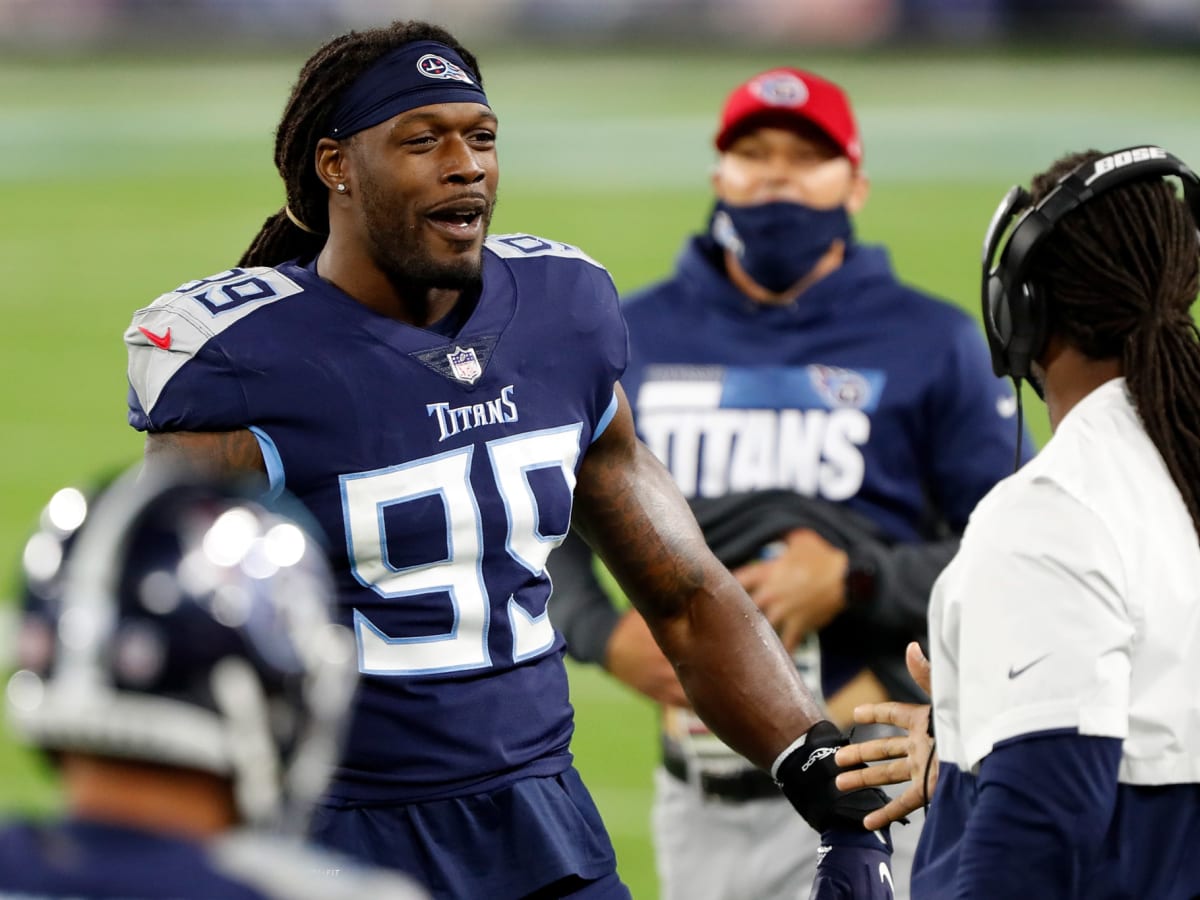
(366, 495)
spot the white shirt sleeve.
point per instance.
(1035, 624)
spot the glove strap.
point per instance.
(806, 775)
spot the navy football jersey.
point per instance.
(90, 861)
(863, 392)
(441, 468)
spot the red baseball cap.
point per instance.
(782, 94)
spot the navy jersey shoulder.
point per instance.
(864, 391)
(441, 469)
(80, 860)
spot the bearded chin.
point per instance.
(408, 265)
(413, 269)
(463, 273)
(413, 272)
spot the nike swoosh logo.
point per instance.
(1013, 673)
(161, 341)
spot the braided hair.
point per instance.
(323, 79)
(1120, 274)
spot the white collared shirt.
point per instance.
(1074, 602)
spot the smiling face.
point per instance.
(424, 184)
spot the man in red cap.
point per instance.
(832, 429)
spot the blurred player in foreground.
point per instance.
(832, 427)
(1065, 635)
(446, 404)
(178, 663)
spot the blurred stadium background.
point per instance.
(135, 154)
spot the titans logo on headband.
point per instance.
(414, 75)
(433, 66)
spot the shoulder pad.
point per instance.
(170, 331)
(210, 305)
(515, 246)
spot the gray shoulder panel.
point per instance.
(519, 246)
(169, 332)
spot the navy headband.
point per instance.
(418, 74)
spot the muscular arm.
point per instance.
(736, 673)
(218, 452)
(597, 632)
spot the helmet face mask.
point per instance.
(181, 622)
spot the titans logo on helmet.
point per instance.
(433, 66)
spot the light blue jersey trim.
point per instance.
(606, 418)
(272, 460)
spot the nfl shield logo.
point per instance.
(465, 364)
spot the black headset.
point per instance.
(1014, 312)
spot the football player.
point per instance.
(446, 404)
(178, 662)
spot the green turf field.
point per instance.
(121, 179)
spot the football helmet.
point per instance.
(183, 621)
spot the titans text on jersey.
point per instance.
(453, 419)
(864, 392)
(721, 431)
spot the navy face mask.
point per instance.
(778, 243)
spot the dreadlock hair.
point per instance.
(323, 79)
(1119, 275)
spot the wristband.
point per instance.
(861, 583)
(807, 776)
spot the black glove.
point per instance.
(854, 866)
(807, 775)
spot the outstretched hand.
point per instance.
(634, 657)
(905, 758)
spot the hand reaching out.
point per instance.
(910, 757)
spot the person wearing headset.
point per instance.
(1065, 634)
